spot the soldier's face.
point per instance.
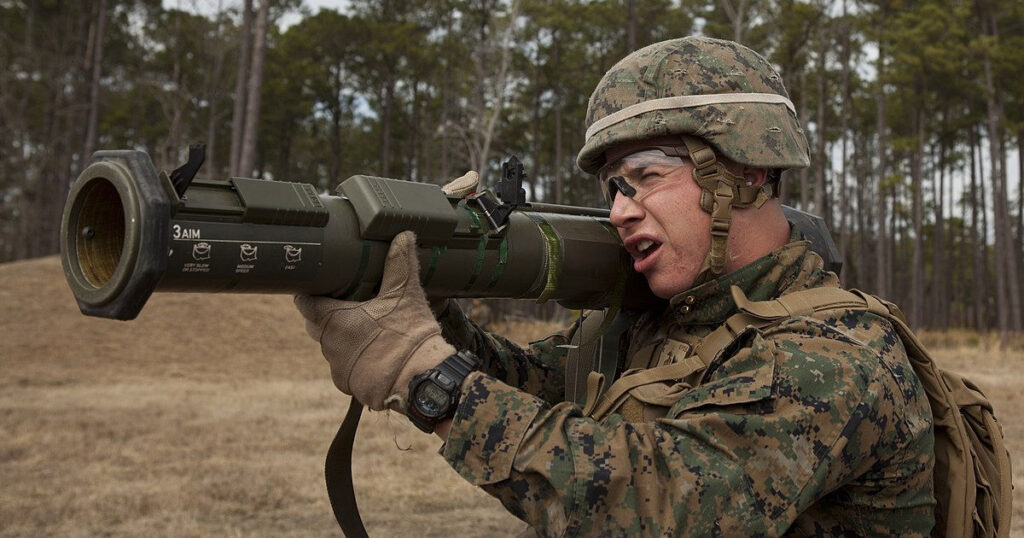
(662, 225)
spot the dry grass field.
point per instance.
(210, 415)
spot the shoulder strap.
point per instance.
(600, 405)
(761, 314)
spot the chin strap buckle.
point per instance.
(721, 219)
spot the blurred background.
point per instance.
(913, 110)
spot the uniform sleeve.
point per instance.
(769, 433)
(538, 370)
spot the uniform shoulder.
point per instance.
(842, 345)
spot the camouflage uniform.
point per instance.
(811, 427)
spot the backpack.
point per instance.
(972, 475)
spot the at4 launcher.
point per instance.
(129, 230)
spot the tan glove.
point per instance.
(463, 185)
(376, 347)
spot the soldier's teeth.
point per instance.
(644, 245)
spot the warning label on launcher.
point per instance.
(243, 251)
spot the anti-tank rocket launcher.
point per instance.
(128, 231)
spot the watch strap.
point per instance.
(458, 365)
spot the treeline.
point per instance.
(914, 111)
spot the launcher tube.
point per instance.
(126, 233)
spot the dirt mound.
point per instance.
(182, 335)
(209, 415)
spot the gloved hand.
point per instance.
(463, 185)
(376, 347)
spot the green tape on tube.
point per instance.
(502, 258)
(481, 248)
(554, 256)
(435, 255)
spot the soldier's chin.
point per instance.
(667, 287)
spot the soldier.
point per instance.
(813, 426)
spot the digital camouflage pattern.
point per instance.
(812, 427)
(762, 135)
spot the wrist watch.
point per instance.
(434, 394)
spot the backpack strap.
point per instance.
(761, 314)
(600, 405)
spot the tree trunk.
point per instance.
(557, 165)
(483, 121)
(446, 121)
(804, 172)
(735, 15)
(96, 62)
(865, 219)
(844, 120)
(940, 289)
(413, 169)
(631, 25)
(385, 135)
(917, 271)
(986, 282)
(213, 96)
(1020, 208)
(1007, 293)
(334, 164)
(247, 156)
(819, 179)
(241, 76)
(881, 260)
(535, 145)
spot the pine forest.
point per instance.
(913, 109)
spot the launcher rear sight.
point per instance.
(510, 194)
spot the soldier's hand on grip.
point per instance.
(376, 347)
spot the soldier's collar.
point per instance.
(711, 302)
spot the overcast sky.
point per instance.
(209, 7)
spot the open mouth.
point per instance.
(645, 248)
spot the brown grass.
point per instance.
(210, 415)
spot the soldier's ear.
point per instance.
(755, 177)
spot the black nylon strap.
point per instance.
(338, 475)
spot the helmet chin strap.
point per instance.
(721, 190)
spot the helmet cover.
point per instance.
(719, 91)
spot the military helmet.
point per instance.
(716, 90)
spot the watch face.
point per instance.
(431, 400)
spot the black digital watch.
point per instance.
(434, 394)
